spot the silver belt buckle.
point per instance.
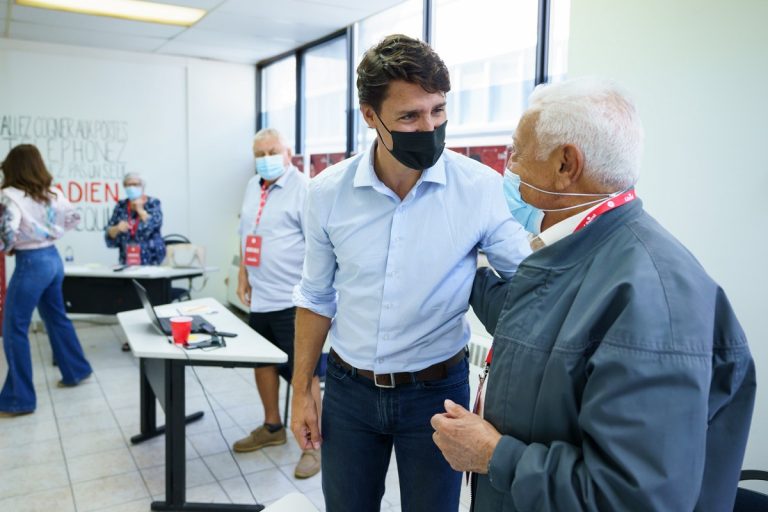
(391, 380)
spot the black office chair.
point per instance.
(177, 293)
(175, 238)
(748, 500)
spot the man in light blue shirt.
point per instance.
(271, 258)
(392, 238)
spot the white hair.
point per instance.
(134, 176)
(598, 117)
(268, 133)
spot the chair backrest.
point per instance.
(748, 500)
(175, 238)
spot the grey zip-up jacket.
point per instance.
(621, 379)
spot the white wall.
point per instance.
(185, 124)
(698, 71)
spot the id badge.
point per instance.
(133, 254)
(252, 254)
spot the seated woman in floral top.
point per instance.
(135, 225)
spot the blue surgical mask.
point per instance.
(133, 192)
(530, 216)
(270, 167)
(527, 215)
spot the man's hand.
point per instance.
(466, 440)
(304, 420)
(123, 226)
(243, 288)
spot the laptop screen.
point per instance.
(144, 298)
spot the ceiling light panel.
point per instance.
(136, 10)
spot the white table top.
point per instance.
(140, 272)
(248, 346)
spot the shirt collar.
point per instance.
(365, 175)
(562, 229)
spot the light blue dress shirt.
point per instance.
(282, 230)
(395, 275)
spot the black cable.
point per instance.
(218, 425)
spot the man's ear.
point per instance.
(369, 115)
(571, 161)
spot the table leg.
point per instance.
(152, 384)
(175, 449)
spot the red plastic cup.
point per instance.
(181, 326)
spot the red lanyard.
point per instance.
(133, 224)
(264, 194)
(620, 200)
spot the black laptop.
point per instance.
(199, 324)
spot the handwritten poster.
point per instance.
(87, 158)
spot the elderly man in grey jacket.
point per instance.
(619, 377)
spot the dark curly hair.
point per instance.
(24, 169)
(399, 57)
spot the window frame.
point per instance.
(541, 74)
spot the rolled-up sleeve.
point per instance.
(505, 242)
(315, 291)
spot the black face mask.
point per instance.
(417, 150)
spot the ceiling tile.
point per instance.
(292, 11)
(233, 30)
(199, 4)
(264, 27)
(209, 37)
(370, 6)
(245, 56)
(65, 35)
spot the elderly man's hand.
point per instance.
(466, 440)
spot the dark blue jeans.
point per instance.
(36, 281)
(360, 425)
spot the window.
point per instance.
(492, 62)
(489, 47)
(405, 18)
(559, 31)
(326, 104)
(278, 98)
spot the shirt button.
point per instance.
(386, 336)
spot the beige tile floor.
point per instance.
(74, 452)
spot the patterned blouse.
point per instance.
(26, 223)
(147, 233)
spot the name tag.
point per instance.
(252, 255)
(133, 254)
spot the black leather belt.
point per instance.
(389, 380)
